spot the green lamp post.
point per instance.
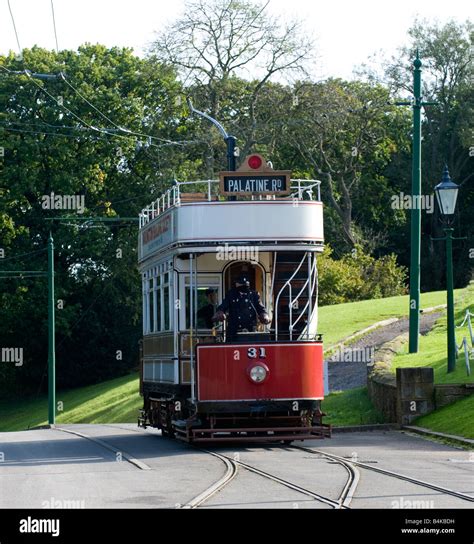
(415, 228)
(51, 336)
(446, 195)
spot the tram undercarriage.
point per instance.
(261, 421)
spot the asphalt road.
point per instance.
(134, 468)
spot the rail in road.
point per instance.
(233, 464)
(343, 501)
(392, 474)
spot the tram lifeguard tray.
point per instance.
(255, 177)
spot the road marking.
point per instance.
(50, 460)
(139, 464)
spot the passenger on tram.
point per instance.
(206, 313)
(243, 306)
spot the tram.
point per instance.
(197, 383)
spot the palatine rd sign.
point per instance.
(255, 177)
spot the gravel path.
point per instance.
(344, 374)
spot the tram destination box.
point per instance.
(255, 177)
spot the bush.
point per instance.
(358, 276)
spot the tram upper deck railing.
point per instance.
(301, 189)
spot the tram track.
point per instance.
(342, 502)
(230, 474)
(110, 447)
(390, 473)
(232, 466)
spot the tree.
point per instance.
(445, 52)
(50, 146)
(215, 41)
(347, 132)
(358, 276)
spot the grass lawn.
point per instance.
(113, 401)
(352, 407)
(432, 350)
(118, 401)
(341, 320)
(457, 419)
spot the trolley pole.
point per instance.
(51, 336)
(228, 139)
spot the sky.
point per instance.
(346, 32)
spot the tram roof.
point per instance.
(184, 220)
(208, 191)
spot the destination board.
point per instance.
(255, 176)
(250, 184)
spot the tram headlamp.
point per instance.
(258, 373)
(255, 162)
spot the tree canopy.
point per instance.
(114, 129)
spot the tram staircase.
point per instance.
(286, 264)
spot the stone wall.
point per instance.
(415, 393)
(382, 391)
(382, 382)
(445, 394)
(410, 393)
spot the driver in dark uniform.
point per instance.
(243, 307)
(206, 312)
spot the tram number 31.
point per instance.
(253, 353)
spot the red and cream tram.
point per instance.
(200, 236)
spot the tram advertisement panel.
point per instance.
(157, 234)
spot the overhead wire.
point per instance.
(58, 134)
(122, 129)
(14, 28)
(58, 103)
(127, 133)
(95, 108)
(15, 126)
(23, 255)
(84, 133)
(89, 103)
(65, 108)
(54, 27)
(39, 124)
(112, 132)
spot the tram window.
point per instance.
(159, 315)
(201, 302)
(145, 307)
(151, 314)
(166, 307)
(156, 303)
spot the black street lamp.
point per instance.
(446, 195)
